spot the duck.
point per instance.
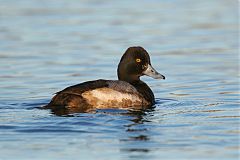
(128, 92)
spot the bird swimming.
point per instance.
(128, 92)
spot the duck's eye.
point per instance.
(138, 60)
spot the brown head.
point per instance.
(135, 63)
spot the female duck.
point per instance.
(128, 92)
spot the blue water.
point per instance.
(46, 46)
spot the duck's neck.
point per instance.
(124, 76)
(130, 79)
(141, 87)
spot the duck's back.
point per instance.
(99, 94)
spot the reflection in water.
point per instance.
(136, 134)
(135, 150)
(64, 111)
(135, 131)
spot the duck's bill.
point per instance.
(151, 72)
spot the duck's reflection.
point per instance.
(136, 138)
(137, 135)
(64, 111)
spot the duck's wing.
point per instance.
(83, 87)
(72, 96)
(122, 86)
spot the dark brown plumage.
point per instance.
(127, 92)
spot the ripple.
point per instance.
(46, 46)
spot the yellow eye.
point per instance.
(138, 60)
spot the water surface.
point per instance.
(46, 46)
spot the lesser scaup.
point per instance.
(128, 92)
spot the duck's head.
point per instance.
(135, 63)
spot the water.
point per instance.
(46, 46)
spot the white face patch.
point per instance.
(109, 98)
